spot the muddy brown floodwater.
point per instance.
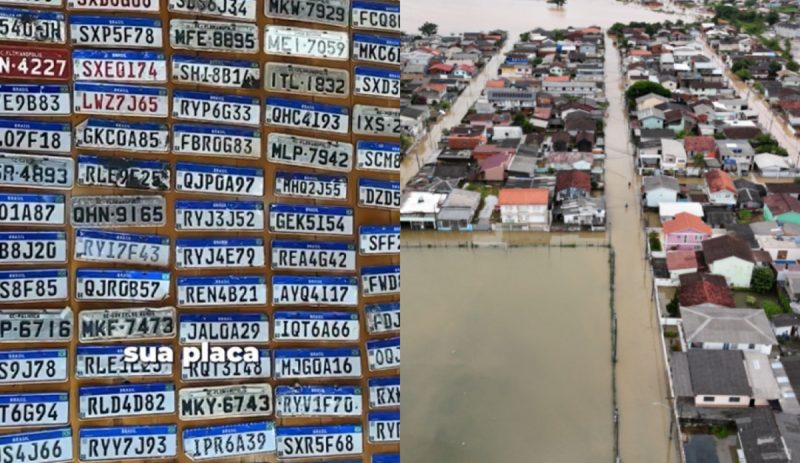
(506, 353)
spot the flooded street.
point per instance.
(498, 364)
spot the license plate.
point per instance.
(32, 26)
(219, 253)
(386, 458)
(126, 400)
(230, 440)
(224, 328)
(214, 107)
(22, 170)
(379, 157)
(221, 216)
(30, 209)
(384, 392)
(34, 62)
(306, 115)
(32, 248)
(319, 441)
(217, 141)
(120, 100)
(309, 152)
(316, 326)
(221, 291)
(382, 318)
(384, 427)
(219, 179)
(377, 16)
(317, 363)
(118, 211)
(332, 12)
(121, 285)
(126, 442)
(43, 409)
(34, 100)
(186, 34)
(377, 82)
(33, 366)
(119, 66)
(314, 401)
(383, 354)
(106, 134)
(313, 255)
(375, 240)
(46, 137)
(38, 325)
(109, 362)
(115, 6)
(319, 220)
(376, 48)
(380, 281)
(378, 193)
(126, 324)
(302, 290)
(210, 370)
(215, 72)
(31, 447)
(33, 285)
(114, 32)
(307, 80)
(121, 248)
(118, 172)
(311, 186)
(376, 120)
(228, 9)
(204, 403)
(42, 3)
(306, 43)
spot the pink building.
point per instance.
(493, 169)
(685, 232)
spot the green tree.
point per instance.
(655, 242)
(740, 64)
(673, 306)
(429, 29)
(643, 87)
(763, 280)
(772, 17)
(793, 66)
(525, 36)
(405, 142)
(771, 308)
(774, 68)
(699, 160)
(744, 74)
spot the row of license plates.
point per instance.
(221, 441)
(56, 325)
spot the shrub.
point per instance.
(655, 242)
(674, 305)
(763, 280)
(771, 308)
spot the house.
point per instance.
(458, 210)
(786, 325)
(680, 263)
(700, 146)
(658, 189)
(420, 209)
(749, 194)
(716, 328)
(667, 211)
(736, 155)
(730, 257)
(685, 232)
(651, 118)
(493, 168)
(782, 207)
(466, 137)
(761, 437)
(792, 189)
(651, 100)
(771, 165)
(783, 250)
(584, 212)
(525, 208)
(673, 155)
(720, 188)
(711, 378)
(704, 289)
(572, 184)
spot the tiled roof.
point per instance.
(725, 246)
(704, 288)
(573, 179)
(699, 143)
(718, 180)
(524, 196)
(681, 260)
(685, 221)
(781, 203)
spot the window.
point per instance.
(734, 400)
(751, 346)
(708, 399)
(782, 255)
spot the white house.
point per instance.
(720, 188)
(525, 208)
(712, 378)
(668, 211)
(783, 250)
(711, 327)
(505, 132)
(730, 257)
(419, 209)
(659, 189)
(673, 154)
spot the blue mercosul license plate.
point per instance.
(31, 209)
(36, 325)
(105, 134)
(34, 100)
(376, 48)
(119, 172)
(33, 446)
(230, 440)
(377, 82)
(119, 66)
(37, 409)
(245, 400)
(304, 290)
(34, 26)
(317, 363)
(121, 285)
(374, 240)
(219, 253)
(318, 220)
(315, 401)
(116, 6)
(212, 71)
(127, 442)
(378, 193)
(386, 458)
(126, 400)
(384, 427)
(313, 255)
(120, 100)
(216, 140)
(384, 392)
(316, 326)
(383, 354)
(319, 441)
(309, 152)
(33, 247)
(115, 32)
(41, 137)
(224, 328)
(377, 16)
(219, 179)
(109, 362)
(221, 291)
(219, 215)
(33, 285)
(123, 248)
(210, 370)
(215, 107)
(383, 318)
(379, 157)
(376, 120)
(380, 281)
(33, 366)
(299, 114)
(126, 324)
(311, 186)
